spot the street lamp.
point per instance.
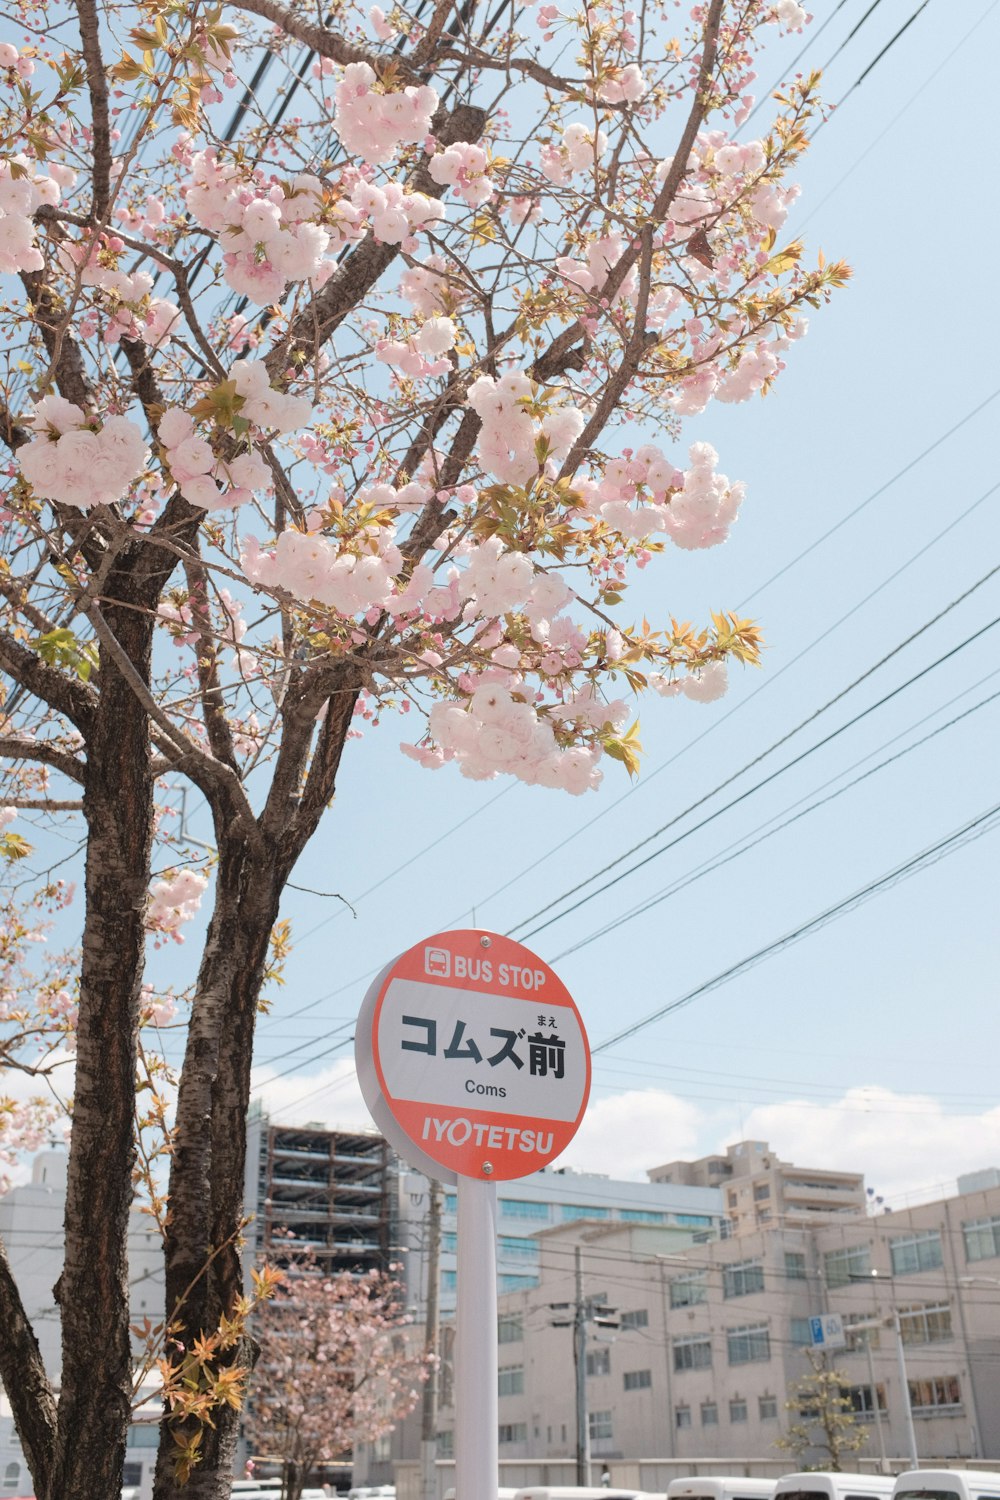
(893, 1319)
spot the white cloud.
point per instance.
(907, 1145)
(625, 1134)
(332, 1096)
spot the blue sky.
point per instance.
(870, 1044)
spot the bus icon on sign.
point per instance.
(437, 961)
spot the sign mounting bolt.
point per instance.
(487, 1169)
(485, 942)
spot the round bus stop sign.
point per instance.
(472, 1054)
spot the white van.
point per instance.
(947, 1484)
(826, 1485)
(574, 1492)
(720, 1487)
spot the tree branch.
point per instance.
(67, 697)
(97, 83)
(19, 749)
(24, 1379)
(356, 275)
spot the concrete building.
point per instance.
(759, 1191)
(31, 1227)
(329, 1192)
(711, 1337)
(540, 1202)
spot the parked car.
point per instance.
(947, 1484)
(826, 1485)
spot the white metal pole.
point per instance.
(884, 1466)
(477, 1453)
(911, 1436)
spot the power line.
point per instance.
(897, 117)
(762, 756)
(769, 93)
(735, 850)
(710, 867)
(763, 687)
(975, 828)
(876, 60)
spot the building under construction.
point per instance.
(324, 1192)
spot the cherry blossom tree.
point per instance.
(326, 340)
(335, 1368)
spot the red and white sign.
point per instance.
(472, 1053)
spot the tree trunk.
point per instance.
(93, 1293)
(204, 1274)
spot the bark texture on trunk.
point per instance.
(96, 1387)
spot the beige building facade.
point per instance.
(711, 1337)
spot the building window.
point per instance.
(767, 1407)
(982, 1239)
(451, 1203)
(638, 1380)
(510, 1328)
(761, 1191)
(510, 1380)
(449, 1281)
(637, 1318)
(694, 1221)
(599, 1426)
(446, 1445)
(861, 1399)
(742, 1278)
(449, 1242)
(509, 1281)
(12, 1474)
(737, 1410)
(515, 1248)
(693, 1354)
(642, 1216)
(682, 1416)
(801, 1332)
(862, 1338)
(915, 1252)
(523, 1208)
(925, 1324)
(568, 1211)
(598, 1361)
(513, 1432)
(689, 1290)
(841, 1267)
(709, 1414)
(795, 1265)
(748, 1345)
(943, 1393)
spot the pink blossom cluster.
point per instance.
(463, 168)
(431, 287)
(642, 494)
(310, 567)
(578, 151)
(602, 255)
(205, 479)
(10, 57)
(704, 685)
(791, 15)
(510, 438)
(73, 460)
(372, 124)
(133, 312)
(174, 901)
(396, 215)
(223, 483)
(623, 85)
(24, 1126)
(492, 732)
(21, 193)
(423, 355)
(264, 230)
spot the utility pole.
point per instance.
(911, 1436)
(432, 1341)
(580, 1360)
(876, 1408)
